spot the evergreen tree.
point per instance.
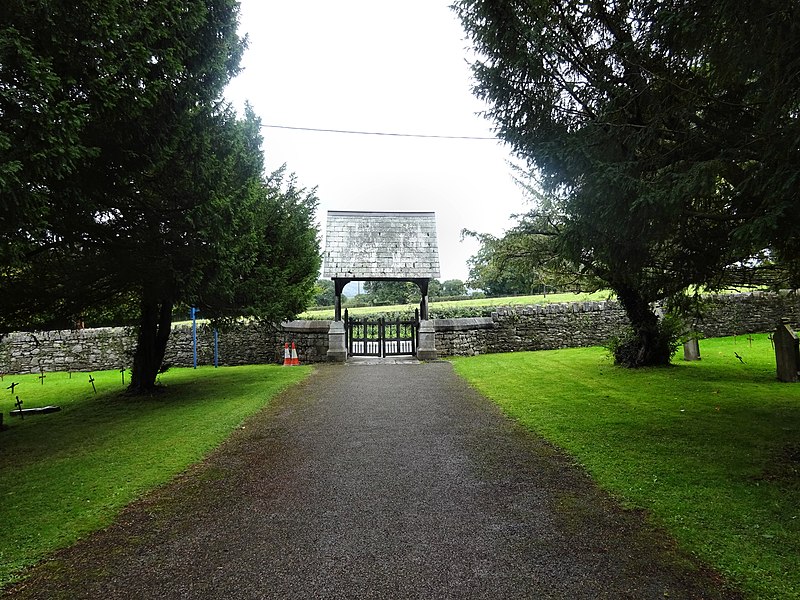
(661, 133)
(158, 191)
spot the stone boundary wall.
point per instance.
(509, 329)
(112, 347)
(579, 324)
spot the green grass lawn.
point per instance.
(711, 449)
(66, 474)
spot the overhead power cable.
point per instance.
(412, 135)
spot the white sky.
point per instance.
(376, 65)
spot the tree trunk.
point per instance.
(650, 345)
(154, 328)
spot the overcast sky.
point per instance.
(377, 66)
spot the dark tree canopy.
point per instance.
(391, 292)
(154, 192)
(451, 288)
(664, 135)
(325, 293)
(515, 264)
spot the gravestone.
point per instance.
(691, 349)
(787, 352)
(41, 410)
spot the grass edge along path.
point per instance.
(68, 474)
(710, 449)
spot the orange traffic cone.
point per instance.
(287, 357)
(295, 360)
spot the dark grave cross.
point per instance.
(42, 376)
(750, 339)
(122, 371)
(91, 380)
(12, 386)
(18, 404)
(771, 341)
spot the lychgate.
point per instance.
(381, 246)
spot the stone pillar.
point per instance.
(691, 349)
(787, 353)
(337, 349)
(426, 350)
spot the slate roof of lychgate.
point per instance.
(381, 245)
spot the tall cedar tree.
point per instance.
(125, 175)
(664, 135)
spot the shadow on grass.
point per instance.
(88, 421)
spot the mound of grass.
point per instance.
(67, 474)
(711, 449)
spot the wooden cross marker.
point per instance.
(18, 404)
(91, 380)
(42, 376)
(750, 339)
(771, 341)
(12, 386)
(122, 371)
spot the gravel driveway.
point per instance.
(378, 481)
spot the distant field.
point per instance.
(465, 304)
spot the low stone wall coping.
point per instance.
(306, 326)
(463, 324)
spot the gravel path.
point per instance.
(378, 481)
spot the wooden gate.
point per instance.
(382, 337)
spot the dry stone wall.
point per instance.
(578, 324)
(510, 329)
(112, 347)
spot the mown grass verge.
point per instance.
(66, 474)
(711, 449)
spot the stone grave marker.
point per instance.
(691, 349)
(40, 410)
(787, 352)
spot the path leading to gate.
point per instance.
(378, 481)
